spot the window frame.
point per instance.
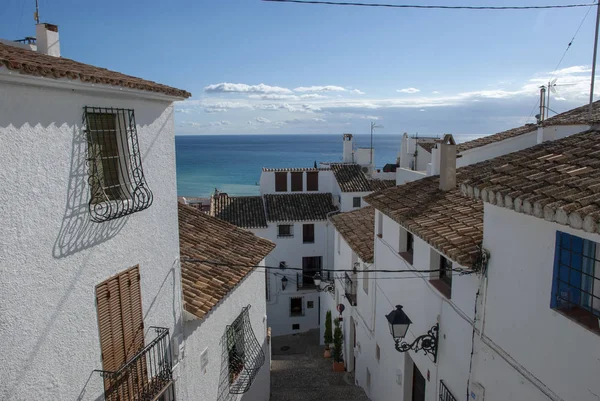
(281, 184)
(294, 312)
(294, 181)
(312, 181)
(290, 234)
(355, 200)
(310, 240)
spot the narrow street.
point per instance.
(300, 373)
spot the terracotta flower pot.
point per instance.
(327, 353)
(338, 366)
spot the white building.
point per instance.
(513, 297)
(88, 242)
(226, 341)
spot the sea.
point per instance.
(233, 163)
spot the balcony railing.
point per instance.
(350, 289)
(445, 394)
(304, 281)
(145, 377)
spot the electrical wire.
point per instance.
(422, 6)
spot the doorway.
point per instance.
(418, 385)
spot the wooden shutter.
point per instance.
(308, 233)
(280, 182)
(297, 182)
(121, 328)
(312, 181)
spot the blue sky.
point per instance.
(326, 69)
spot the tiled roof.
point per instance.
(448, 221)
(427, 146)
(557, 181)
(202, 237)
(243, 211)
(295, 169)
(501, 136)
(358, 228)
(29, 62)
(299, 207)
(351, 179)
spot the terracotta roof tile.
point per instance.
(29, 62)
(557, 181)
(358, 228)
(351, 179)
(446, 220)
(299, 207)
(577, 116)
(296, 169)
(243, 211)
(207, 238)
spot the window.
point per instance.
(285, 230)
(296, 326)
(406, 246)
(297, 181)
(441, 275)
(365, 279)
(281, 182)
(310, 304)
(235, 351)
(356, 201)
(308, 233)
(312, 181)
(296, 307)
(377, 352)
(380, 224)
(116, 177)
(311, 265)
(282, 265)
(576, 280)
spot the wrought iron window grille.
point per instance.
(145, 377)
(244, 356)
(116, 177)
(445, 394)
(350, 289)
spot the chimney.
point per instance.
(447, 163)
(47, 39)
(348, 151)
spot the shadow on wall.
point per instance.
(78, 231)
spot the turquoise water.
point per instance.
(233, 163)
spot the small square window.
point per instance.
(295, 326)
(285, 230)
(377, 352)
(356, 201)
(282, 265)
(310, 304)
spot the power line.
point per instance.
(420, 6)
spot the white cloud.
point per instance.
(262, 120)
(274, 97)
(358, 92)
(422, 110)
(206, 125)
(297, 121)
(576, 69)
(312, 96)
(184, 111)
(435, 92)
(225, 106)
(326, 88)
(408, 90)
(226, 87)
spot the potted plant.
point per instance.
(338, 362)
(328, 336)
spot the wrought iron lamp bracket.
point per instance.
(427, 343)
(329, 287)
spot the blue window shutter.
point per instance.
(554, 297)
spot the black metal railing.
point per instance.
(304, 282)
(445, 394)
(146, 376)
(350, 289)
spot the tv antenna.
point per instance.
(36, 14)
(373, 127)
(552, 89)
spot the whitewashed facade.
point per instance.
(52, 256)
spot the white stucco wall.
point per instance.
(552, 349)
(404, 175)
(52, 256)
(425, 306)
(207, 335)
(292, 250)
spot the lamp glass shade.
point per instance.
(284, 282)
(317, 279)
(399, 322)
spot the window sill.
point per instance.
(442, 287)
(380, 235)
(582, 317)
(408, 256)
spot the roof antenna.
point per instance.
(36, 14)
(373, 126)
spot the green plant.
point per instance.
(337, 341)
(328, 337)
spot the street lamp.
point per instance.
(399, 323)
(329, 285)
(284, 282)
